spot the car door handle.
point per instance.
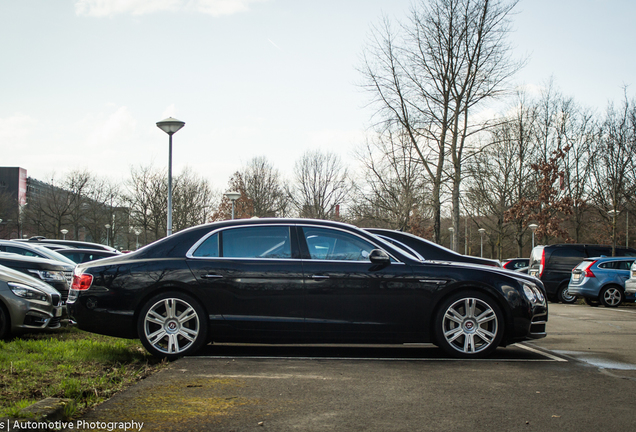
(211, 276)
(320, 277)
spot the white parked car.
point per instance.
(630, 284)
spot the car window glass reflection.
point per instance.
(209, 248)
(334, 245)
(256, 242)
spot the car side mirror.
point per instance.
(378, 256)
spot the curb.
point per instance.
(45, 411)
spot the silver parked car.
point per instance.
(630, 284)
(32, 250)
(27, 304)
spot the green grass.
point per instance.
(71, 364)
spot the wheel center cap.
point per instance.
(172, 326)
(469, 326)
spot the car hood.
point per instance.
(10, 275)
(8, 259)
(491, 269)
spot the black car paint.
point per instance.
(294, 300)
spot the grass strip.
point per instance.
(70, 363)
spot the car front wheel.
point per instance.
(611, 296)
(172, 325)
(469, 325)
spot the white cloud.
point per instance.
(15, 128)
(105, 8)
(118, 127)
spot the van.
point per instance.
(553, 265)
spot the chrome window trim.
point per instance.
(195, 246)
(376, 246)
(190, 252)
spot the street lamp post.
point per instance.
(170, 126)
(232, 196)
(107, 226)
(613, 213)
(64, 232)
(452, 238)
(481, 235)
(533, 227)
(137, 232)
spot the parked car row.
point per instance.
(569, 271)
(35, 279)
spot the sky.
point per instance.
(85, 81)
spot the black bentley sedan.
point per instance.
(300, 281)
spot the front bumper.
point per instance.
(29, 316)
(630, 287)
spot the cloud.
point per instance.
(118, 127)
(15, 128)
(106, 8)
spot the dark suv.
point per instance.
(553, 264)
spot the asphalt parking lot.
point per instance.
(582, 377)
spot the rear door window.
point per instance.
(566, 258)
(256, 242)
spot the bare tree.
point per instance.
(321, 186)
(453, 57)
(393, 191)
(49, 210)
(192, 200)
(263, 186)
(613, 161)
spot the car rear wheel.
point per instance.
(564, 296)
(611, 296)
(469, 325)
(172, 325)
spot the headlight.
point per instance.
(48, 275)
(533, 294)
(27, 292)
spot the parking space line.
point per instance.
(543, 353)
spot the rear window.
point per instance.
(583, 264)
(566, 255)
(535, 255)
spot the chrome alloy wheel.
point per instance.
(612, 296)
(470, 325)
(171, 326)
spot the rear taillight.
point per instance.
(542, 264)
(82, 282)
(587, 271)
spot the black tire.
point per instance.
(564, 297)
(468, 324)
(172, 325)
(611, 296)
(592, 302)
(5, 323)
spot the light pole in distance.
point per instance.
(232, 196)
(533, 227)
(170, 126)
(481, 238)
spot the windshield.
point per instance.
(51, 254)
(401, 247)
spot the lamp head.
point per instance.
(170, 125)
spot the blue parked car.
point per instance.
(602, 280)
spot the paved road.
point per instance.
(585, 382)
